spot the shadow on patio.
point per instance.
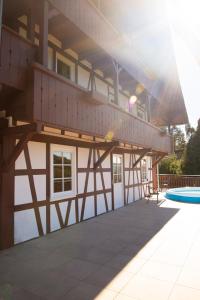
(91, 260)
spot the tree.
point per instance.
(192, 154)
(172, 164)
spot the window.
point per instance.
(144, 170)
(62, 171)
(117, 169)
(63, 69)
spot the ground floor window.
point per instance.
(144, 170)
(62, 171)
(117, 168)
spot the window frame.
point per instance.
(144, 170)
(66, 194)
(58, 58)
(118, 174)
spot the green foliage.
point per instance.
(171, 165)
(191, 164)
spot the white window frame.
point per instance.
(66, 194)
(144, 173)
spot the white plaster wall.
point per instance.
(40, 186)
(20, 162)
(37, 153)
(25, 226)
(22, 190)
(101, 207)
(83, 154)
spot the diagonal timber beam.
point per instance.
(6, 165)
(103, 157)
(27, 132)
(143, 153)
(160, 157)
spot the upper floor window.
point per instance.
(62, 171)
(63, 69)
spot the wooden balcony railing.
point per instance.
(50, 98)
(16, 54)
(62, 103)
(173, 181)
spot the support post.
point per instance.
(7, 196)
(117, 70)
(1, 16)
(43, 37)
(31, 23)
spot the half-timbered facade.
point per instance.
(74, 142)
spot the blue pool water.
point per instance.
(187, 194)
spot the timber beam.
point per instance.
(106, 144)
(103, 156)
(158, 159)
(27, 132)
(142, 154)
(22, 129)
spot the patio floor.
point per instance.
(140, 252)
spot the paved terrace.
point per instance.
(141, 252)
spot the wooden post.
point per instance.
(7, 196)
(31, 23)
(116, 81)
(154, 174)
(43, 37)
(1, 15)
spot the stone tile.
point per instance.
(123, 297)
(106, 294)
(102, 277)
(184, 293)
(119, 261)
(190, 278)
(145, 288)
(119, 281)
(160, 271)
(9, 292)
(83, 291)
(76, 268)
(134, 265)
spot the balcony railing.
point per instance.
(54, 100)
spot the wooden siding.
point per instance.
(59, 102)
(15, 56)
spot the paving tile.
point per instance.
(123, 297)
(184, 293)
(190, 278)
(9, 292)
(160, 271)
(83, 291)
(145, 288)
(119, 261)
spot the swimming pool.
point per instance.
(187, 194)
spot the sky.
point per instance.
(185, 29)
(189, 76)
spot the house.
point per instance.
(79, 121)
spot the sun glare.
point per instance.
(184, 13)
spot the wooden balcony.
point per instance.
(16, 55)
(61, 103)
(55, 101)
